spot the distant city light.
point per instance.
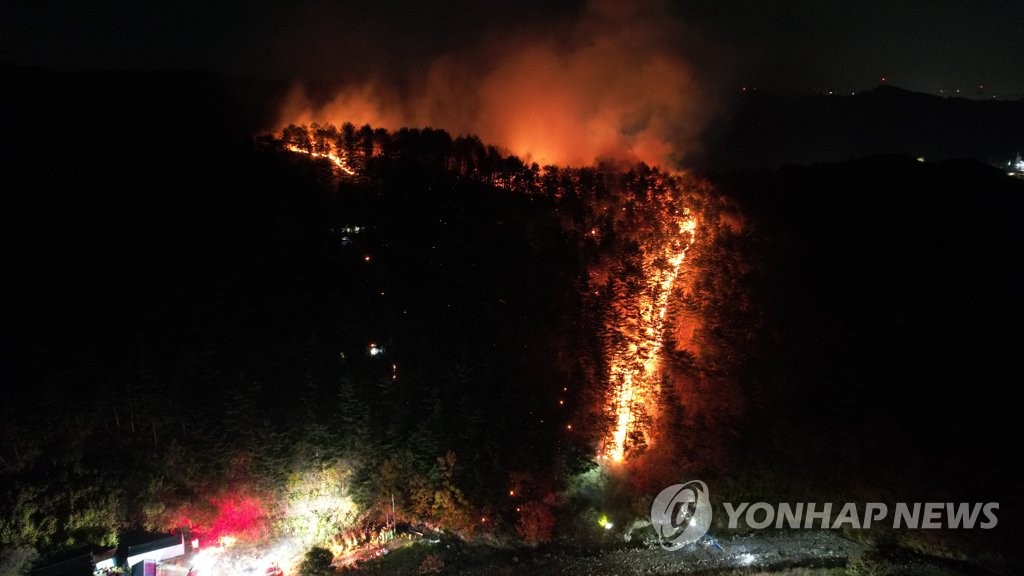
(376, 350)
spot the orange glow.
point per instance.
(605, 88)
(634, 366)
(338, 160)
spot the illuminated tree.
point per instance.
(536, 522)
(297, 136)
(323, 138)
(318, 504)
(442, 500)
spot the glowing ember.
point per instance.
(635, 365)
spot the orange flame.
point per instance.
(635, 367)
(333, 155)
(609, 87)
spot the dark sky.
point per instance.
(796, 45)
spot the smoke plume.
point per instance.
(610, 86)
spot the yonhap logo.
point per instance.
(681, 514)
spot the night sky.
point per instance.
(796, 47)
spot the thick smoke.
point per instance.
(609, 87)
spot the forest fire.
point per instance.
(639, 309)
(610, 94)
(619, 250)
(635, 365)
(604, 88)
(337, 159)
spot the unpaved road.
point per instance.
(813, 552)
(803, 553)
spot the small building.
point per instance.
(145, 568)
(155, 550)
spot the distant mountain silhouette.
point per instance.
(767, 131)
(175, 107)
(759, 131)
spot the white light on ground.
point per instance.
(746, 559)
(283, 556)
